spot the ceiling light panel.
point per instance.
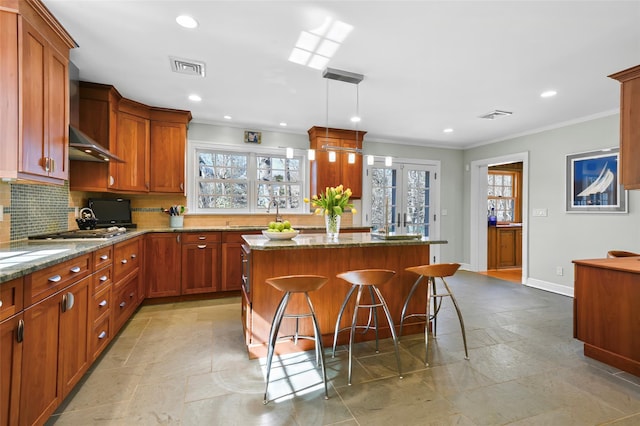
(328, 48)
(318, 62)
(187, 21)
(307, 41)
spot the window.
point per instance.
(502, 195)
(246, 182)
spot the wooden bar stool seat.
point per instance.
(431, 272)
(370, 279)
(621, 253)
(289, 285)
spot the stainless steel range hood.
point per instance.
(81, 146)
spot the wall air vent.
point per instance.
(187, 66)
(495, 114)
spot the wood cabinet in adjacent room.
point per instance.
(325, 173)
(34, 107)
(629, 126)
(504, 247)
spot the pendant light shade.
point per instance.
(332, 156)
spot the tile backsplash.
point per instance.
(37, 209)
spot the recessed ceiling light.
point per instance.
(283, 124)
(548, 94)
(186, 21)
(195, 98)
(355, 119)
(227, 117)
(448, 130)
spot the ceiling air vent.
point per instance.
(495, 114)
(187, 66)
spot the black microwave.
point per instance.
(111, 211)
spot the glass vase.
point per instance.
(332, 224)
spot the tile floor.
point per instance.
(185, 364)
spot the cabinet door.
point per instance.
(74, 334)
(324, 172)
(231, 277)
(57, 115)
(167, 157)
(162, 267)
(34, 72)
(132, 145)
(200, 267)
(10, 366)
(39, 390)
(506, 248)
(9, 103)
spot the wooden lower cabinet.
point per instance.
(504, 247)
(10, 368)
(55, 351)
(163, 254)
(125, 300)
(200, 267)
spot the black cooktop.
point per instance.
(102, 233)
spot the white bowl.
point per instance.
(280, 235)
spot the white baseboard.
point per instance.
(552, 287)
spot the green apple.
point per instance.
(287, 224)
(272, 225)
(280, 226)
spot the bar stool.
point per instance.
(296, 284)
(431, 272)
(370, 278)
(621, 253)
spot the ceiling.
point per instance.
(427, 65)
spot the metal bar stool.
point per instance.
(431, 272)
(370, 278)
(296, 284)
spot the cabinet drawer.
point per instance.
(126, 258)
(125, 301)
(236, 237)
(45, 282)
(11, 301)
(102, 279)
(200, 237)
(100, 337)
(100, 306)
(102, 257)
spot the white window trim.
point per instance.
(192, 170)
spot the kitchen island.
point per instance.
(315, 254)
(606, 314)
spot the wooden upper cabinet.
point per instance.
(34, 75)
(167, 150)
(325, 173)
(629, 126)
(132, 145)
(151, 141)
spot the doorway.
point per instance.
(478, 215)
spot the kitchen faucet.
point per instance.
(274, 202)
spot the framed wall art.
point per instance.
(252, 137)
(593, 183)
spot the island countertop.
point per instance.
(315, 241)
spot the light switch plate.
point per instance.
(540, 212)
(1, 212)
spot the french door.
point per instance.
(401, 198)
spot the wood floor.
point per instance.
(513, 275)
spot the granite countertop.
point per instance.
(306, 241)
(23, 257)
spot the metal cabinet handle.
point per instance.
(103, 303)
(123, 261)
(75, 269)
(202, 246)
(103, 278)
(202, 237)
(55, 278)
(104, 257)
(111, 181)
(133, 256)
(102, 335)
(122, 304)
(181, 186)
(131, 295)
(178, 238)
(68, 301)
(0, 303)
(52, 165)
(20, 331)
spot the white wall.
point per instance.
(561, 237)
